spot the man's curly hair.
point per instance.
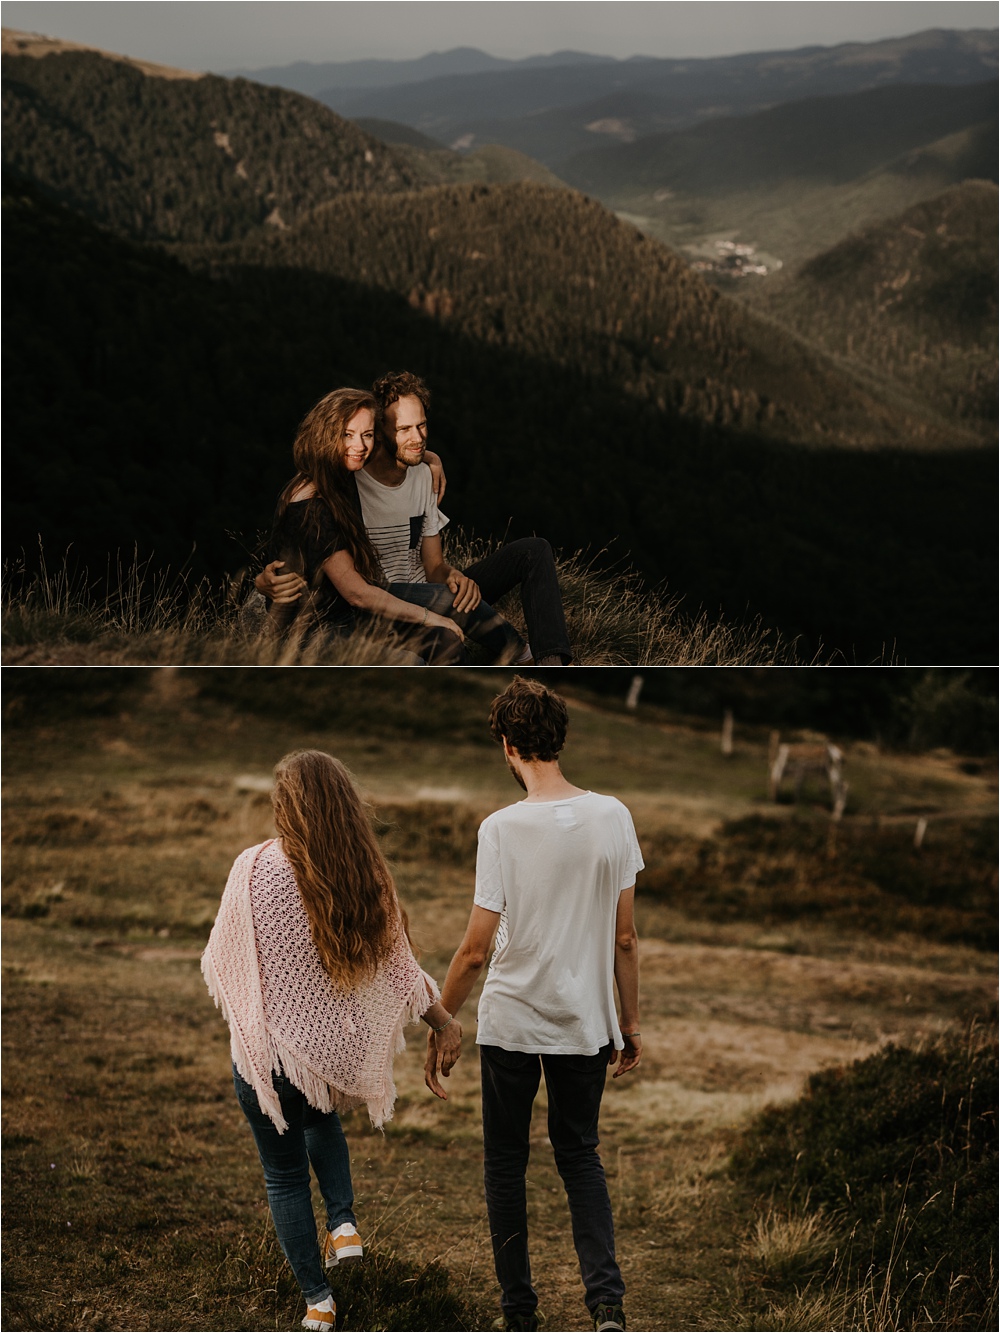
(532, 718)
(396, 384)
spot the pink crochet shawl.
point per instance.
(284, 1013)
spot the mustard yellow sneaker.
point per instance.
(343, 1245)
(320, 1319)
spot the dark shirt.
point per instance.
(305, 536)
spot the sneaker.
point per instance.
(609, 1318)
(320, 1321)
(525, 1323)
(342, 1245)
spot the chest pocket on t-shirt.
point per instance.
(416, 530)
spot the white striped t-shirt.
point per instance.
(397, 518)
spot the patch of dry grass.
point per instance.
(154, 617)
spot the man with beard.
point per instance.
(402, 517)
(555, 880)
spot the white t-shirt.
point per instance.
(554, 870)
(397, 518)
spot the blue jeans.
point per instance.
(311, 1137)
(575, 1085)
(499, 639)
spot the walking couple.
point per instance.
(310, 962)
(357, 539)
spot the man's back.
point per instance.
(554, 870)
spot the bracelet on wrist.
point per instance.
(443, 1025)
(631, 1034)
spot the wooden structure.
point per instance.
(799, 760)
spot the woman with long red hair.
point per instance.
(310, 963)
(319, 533)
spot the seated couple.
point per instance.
(357, 534)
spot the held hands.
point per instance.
(465, 591)
(443, 1049)
(281, 589)
(627, 1059)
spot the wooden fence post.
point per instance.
(727, 732)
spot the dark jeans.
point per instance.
(433, 646)
(311, 1137)
(529, 563)
(575, 1085)
(484, 626)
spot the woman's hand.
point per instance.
(442, 622)
(282, 589)
(443, 1050)
(438, 480)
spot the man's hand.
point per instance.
(443, 1049)
(629, 1057)
(465, 591)
(438, 480)
(282, 589)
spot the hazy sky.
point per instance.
(228, 34)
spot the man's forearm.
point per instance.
(462, 976)
(627, 981)
(440, 572)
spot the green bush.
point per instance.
(900, 1151)
(872, 879)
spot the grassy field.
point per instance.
(59, 618)
(133, 1195)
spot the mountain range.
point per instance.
(314, 78)
(553, 112)
(191, 262)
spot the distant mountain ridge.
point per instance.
(545, 112)
(792, 180)
(208, 158)
(312, 78)
(830, 139)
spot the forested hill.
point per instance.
(822, 139)
(150, 408)
(555, 276)
(913, 298)
(205, 159)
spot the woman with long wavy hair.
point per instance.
(310, 962)
(319, 533)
